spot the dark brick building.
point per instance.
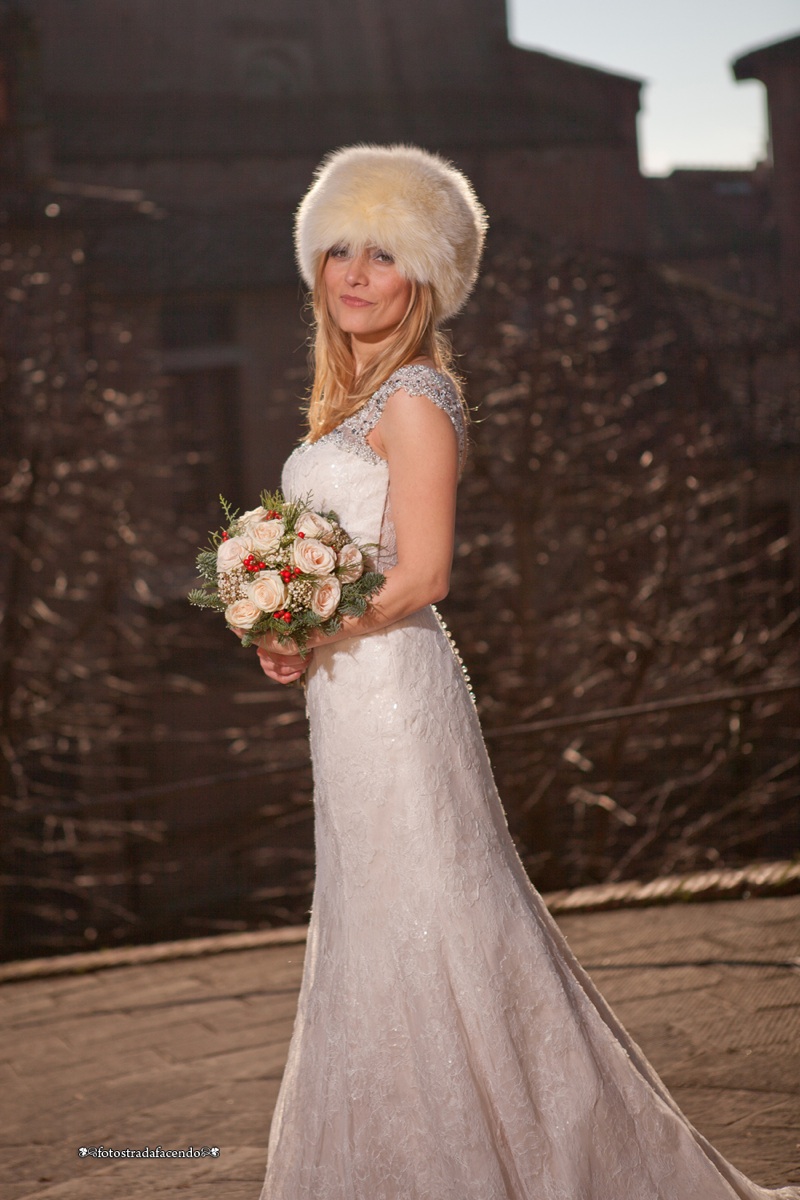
(719, 226)
(778, 67)
(740, 229)
(218, 113)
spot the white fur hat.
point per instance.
(414, 204)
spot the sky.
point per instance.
(693, 114)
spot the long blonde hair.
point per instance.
(336, 392)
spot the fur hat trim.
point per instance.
(411, 203)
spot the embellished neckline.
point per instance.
(417, 379)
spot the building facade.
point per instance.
(777, 66)
(219, 112)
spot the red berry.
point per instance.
(301, 534)
(261, 566)
(225, 535)
(297, 570)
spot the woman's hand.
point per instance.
(281, 661)
(282, 667)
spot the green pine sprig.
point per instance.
(355, 595)
(203, 599)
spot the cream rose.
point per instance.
(231, 553)
(313, 557)
(252, 517)
(266, 535)
(327, 594)
(314, 526)
(242, 614)
(267, 591)
(350, 563)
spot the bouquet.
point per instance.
(284, 569)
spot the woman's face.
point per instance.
(367, 296)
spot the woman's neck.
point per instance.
(361, 361)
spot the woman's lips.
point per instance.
(355, 302)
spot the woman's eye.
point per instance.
(383, 257)
(339, 252)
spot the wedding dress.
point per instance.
(447, 1044)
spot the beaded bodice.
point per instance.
(342, 472)
(418, 380)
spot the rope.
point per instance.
(762, 879)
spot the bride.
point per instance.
(447, 1044)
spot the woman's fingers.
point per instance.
(281, 676)
(290, 661)
(279, 663)
(283, 668)
(270, 643)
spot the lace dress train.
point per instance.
(447, 1044)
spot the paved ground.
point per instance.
(190, 1052)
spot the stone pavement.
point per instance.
(189, 1051)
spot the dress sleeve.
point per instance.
(420, 380)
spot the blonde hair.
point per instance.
(336, 392)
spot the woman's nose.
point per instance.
(357, 269)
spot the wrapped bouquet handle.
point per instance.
(285, 569)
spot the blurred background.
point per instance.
(627, 583)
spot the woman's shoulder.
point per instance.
(421, 378)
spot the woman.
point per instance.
(447, 1045)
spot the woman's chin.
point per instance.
(365, 331)
(356, 320)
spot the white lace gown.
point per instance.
(447, 1044)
